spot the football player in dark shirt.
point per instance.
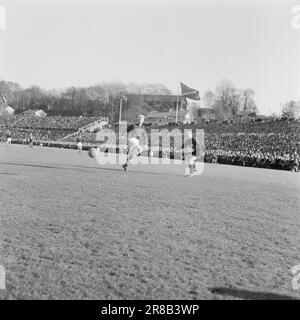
(137, 140)
(190, 149)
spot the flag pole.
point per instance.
(176, 118)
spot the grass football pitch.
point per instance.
(73, 229)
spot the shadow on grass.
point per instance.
(62, 167)
(8, 173)
(249, 295)
(78, 167)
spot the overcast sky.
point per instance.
(60, 43)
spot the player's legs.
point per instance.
(191, 160)
(134, 149)
(79, 145)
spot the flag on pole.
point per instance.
(188, 92)
(193, 104)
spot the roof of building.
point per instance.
(156, 115)
(29, 111)
(9, 108)
(159, 115)
(244, 113)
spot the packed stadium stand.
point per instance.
(53, 128)
(267, 143)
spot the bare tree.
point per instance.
(208, 99)
(227, 100)
(224, 90)
(248, 95)
(291, 109)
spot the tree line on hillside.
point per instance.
(98, 100)
(103, 99)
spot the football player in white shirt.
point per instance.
(137, 140)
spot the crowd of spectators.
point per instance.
(43, 129)
(54, 122)
(266, 144)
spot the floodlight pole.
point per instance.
(176, 118)
(120, 113)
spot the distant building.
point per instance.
(206, 114)
(184, 116)
(245, 115)
(29, 113)
(157, 117)
(9, 111)
(40, 114)
(155, 99)
(35, 113)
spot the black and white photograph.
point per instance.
(149, 151)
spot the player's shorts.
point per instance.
(190, 159)
(8, 140)
(79, 145)
(134, 145)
